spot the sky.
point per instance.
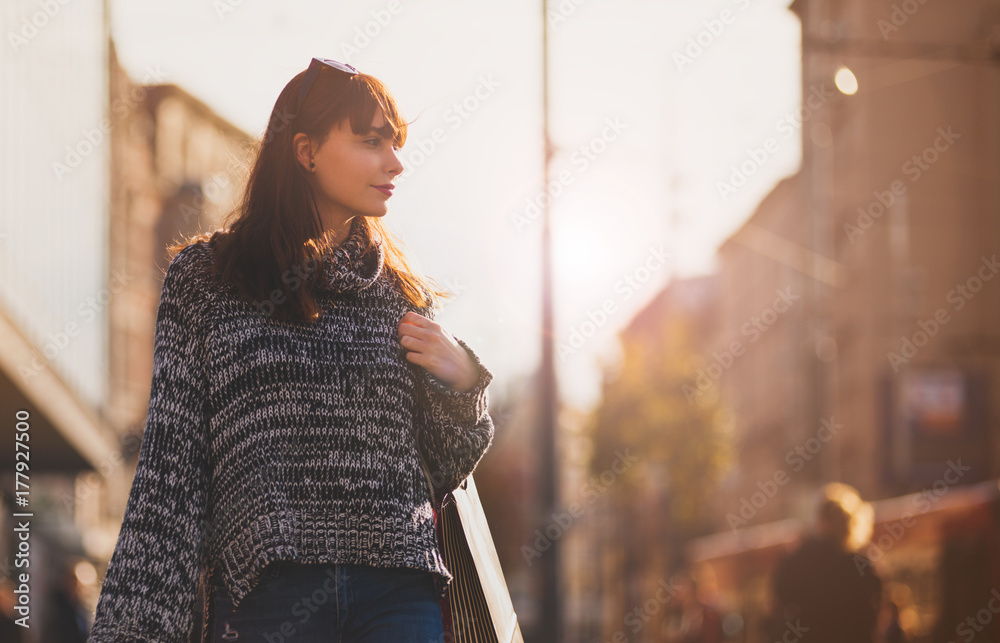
(651, 105)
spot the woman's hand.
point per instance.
(430, 346)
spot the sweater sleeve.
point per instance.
(152, 581)
(454, 429)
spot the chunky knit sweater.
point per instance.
(273, 440)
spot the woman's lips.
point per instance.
(384, 190)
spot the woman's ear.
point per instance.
(302, 148)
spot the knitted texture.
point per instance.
(278, 440)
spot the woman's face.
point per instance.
(354, 173)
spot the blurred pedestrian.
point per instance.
(825, 591)
(691, 619)
(66, 617)
(894, 632)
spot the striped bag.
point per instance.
(477, 608)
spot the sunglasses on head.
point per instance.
(315, 66)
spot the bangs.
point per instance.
(366, 95)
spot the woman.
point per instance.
(298, 380)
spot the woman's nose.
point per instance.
(395, 166)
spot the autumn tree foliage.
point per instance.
(683, 442)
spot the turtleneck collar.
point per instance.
(347, 270)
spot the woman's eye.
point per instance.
(375, 141)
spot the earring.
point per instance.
(312, 166)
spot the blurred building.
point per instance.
(55, 289)
(859, 333)
(103, 171)
(861, 275)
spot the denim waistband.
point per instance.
(272, 570)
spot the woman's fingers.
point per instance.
(430, 346)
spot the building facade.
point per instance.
(863, 295)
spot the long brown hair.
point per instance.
(277, 227)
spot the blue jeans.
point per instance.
(329, 603)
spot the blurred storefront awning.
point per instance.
(64, 434)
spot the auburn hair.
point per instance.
(276, 226)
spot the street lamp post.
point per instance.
(551, 614)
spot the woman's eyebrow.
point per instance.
(385, 131)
